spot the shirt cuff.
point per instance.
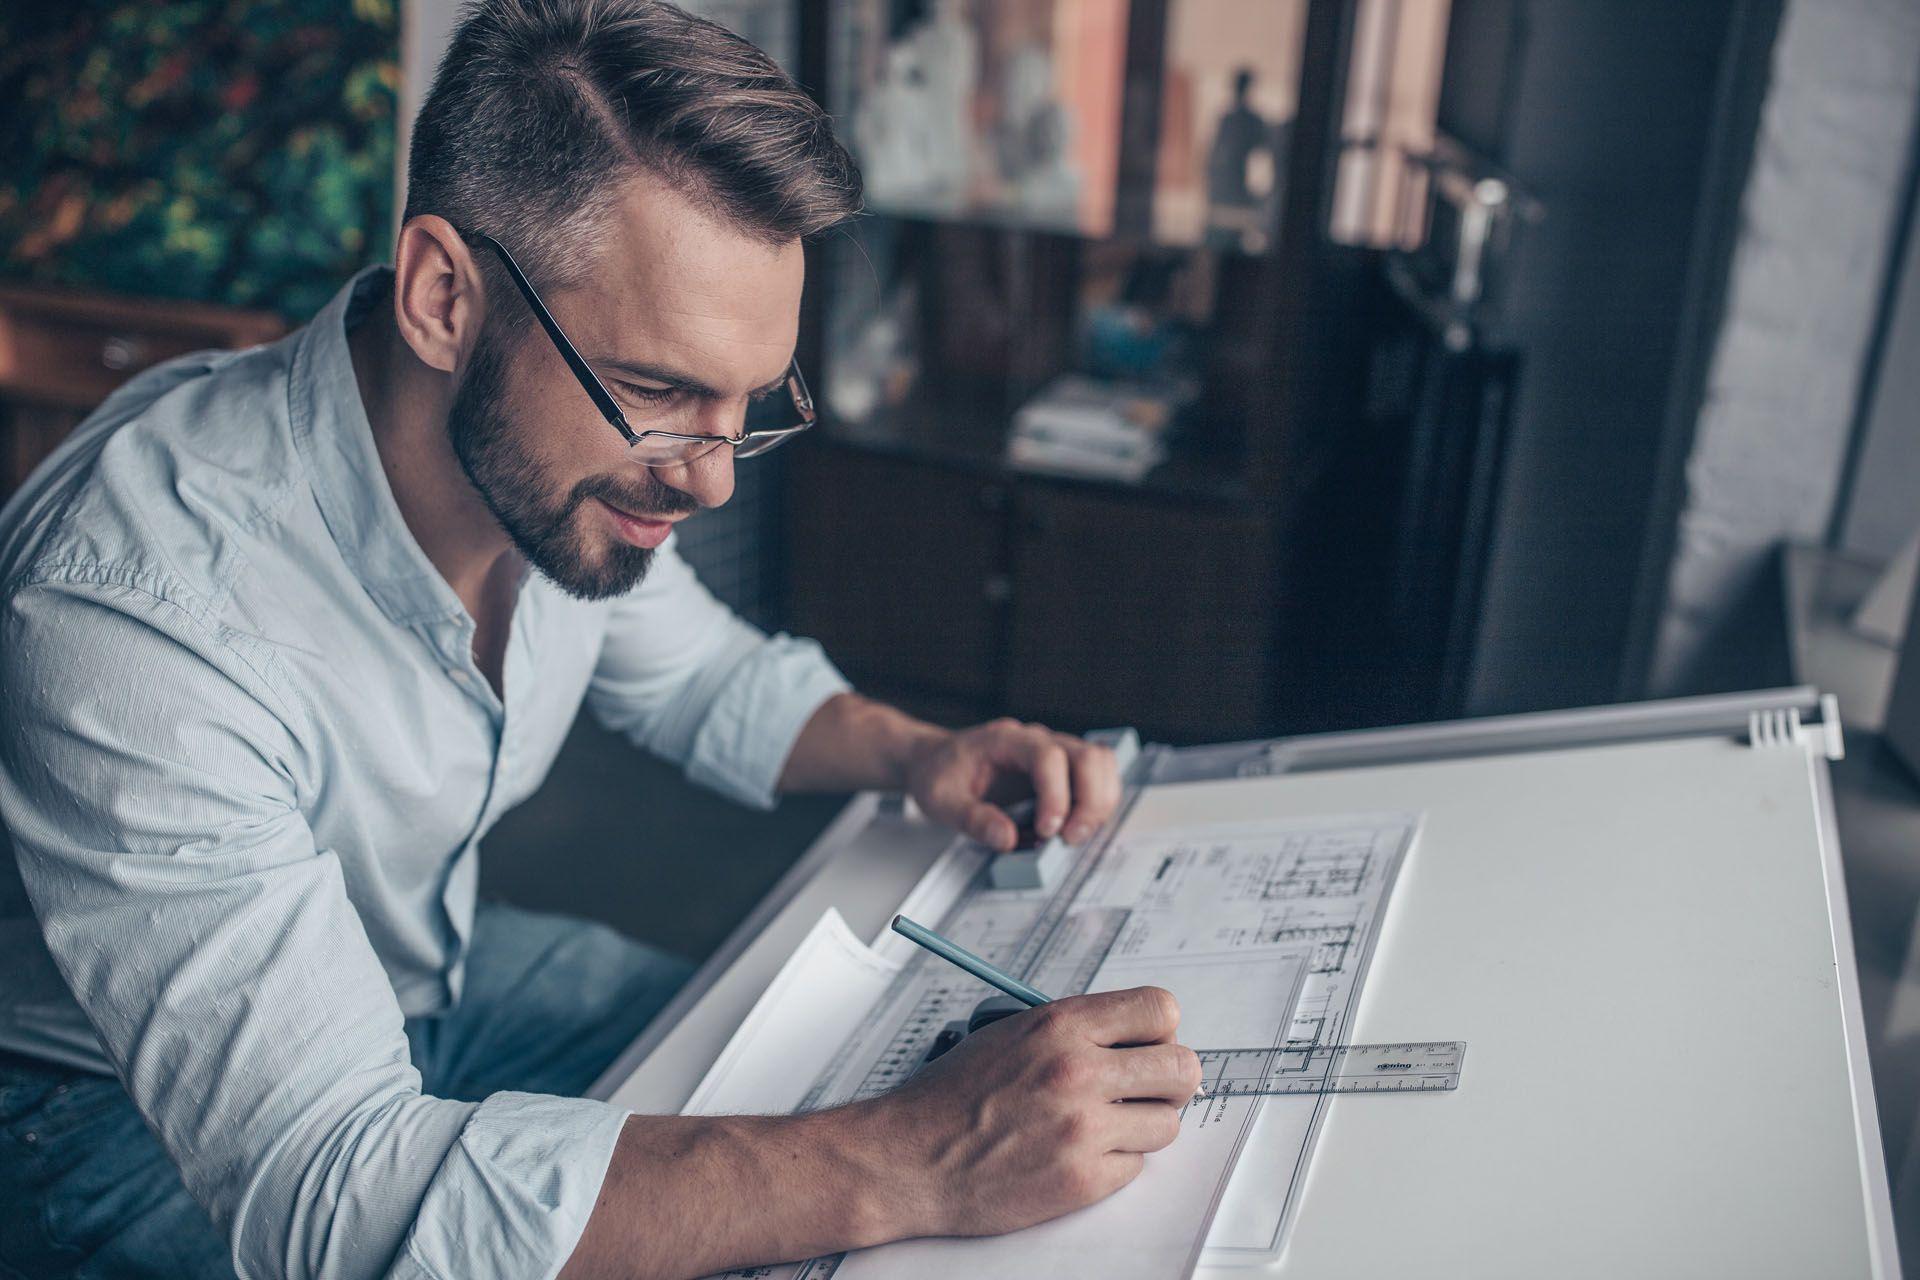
(515, 1191)
(747, 734)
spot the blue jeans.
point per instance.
(86, 1189)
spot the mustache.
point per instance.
(654, 499)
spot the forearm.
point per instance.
(854, 744)
(694, 1195)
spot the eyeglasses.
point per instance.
(655, 446)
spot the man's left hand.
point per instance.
(963, 778)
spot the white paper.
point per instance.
(1151, 1228)
(816, 1001)
(1334, 890)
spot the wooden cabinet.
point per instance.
(62, 352)
(968, 594)
(897, 568)
(1140, 612)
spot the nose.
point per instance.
(708, 479)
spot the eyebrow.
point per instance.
(684, 382)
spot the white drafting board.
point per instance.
(1634, 943)
(1665, 1073)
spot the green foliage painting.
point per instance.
(236, 151)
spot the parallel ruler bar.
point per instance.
(1420, 1067)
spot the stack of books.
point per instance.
(1083, 426)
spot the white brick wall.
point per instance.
(1817, 221)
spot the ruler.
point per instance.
(1420, 1067)
(1076, 948)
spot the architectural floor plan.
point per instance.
(1261, 930)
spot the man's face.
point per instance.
(684, 319)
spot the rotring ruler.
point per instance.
(1427, 1067)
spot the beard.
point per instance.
(547, 531)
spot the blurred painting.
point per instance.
(236, 153)
(1229, 93)
(997, 110)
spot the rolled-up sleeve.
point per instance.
(683, 676)
(152, 779)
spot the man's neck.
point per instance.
(407, 404)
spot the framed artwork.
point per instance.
(996, 110)
(1229, 91)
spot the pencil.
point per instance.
(965, 959)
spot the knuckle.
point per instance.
(1053, 1019)
(1167, 1129)
(948, 790)
(1189, 1067)
(1003, 723)
(1065, 1073)
(1075, 1128)
(1161, 1006)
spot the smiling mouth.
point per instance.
(640, 519)
(637, 531)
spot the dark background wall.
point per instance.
(1609, 114)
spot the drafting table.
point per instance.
(1635, 918)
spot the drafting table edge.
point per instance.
(1881, 1240)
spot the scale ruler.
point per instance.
(1420, 1067)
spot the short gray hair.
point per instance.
(541, 108)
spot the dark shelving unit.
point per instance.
(941, 577)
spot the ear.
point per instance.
(438, 299)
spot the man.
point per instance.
(1240, 204)
(286, 630)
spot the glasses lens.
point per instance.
(771, 414)
(754, 446)
(769, 423)
(658, 451)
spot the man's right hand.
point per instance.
(1025, 1120)
(1040, 1113)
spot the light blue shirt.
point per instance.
(246, 758)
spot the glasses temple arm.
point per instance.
(590, 380)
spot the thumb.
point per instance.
(990, 825)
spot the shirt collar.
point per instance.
(331, 430)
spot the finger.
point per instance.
(1142, 1126)
(990, 825)
(1045, 761)
(1158, 1072)
(1096, 788)
(1138, 1015)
